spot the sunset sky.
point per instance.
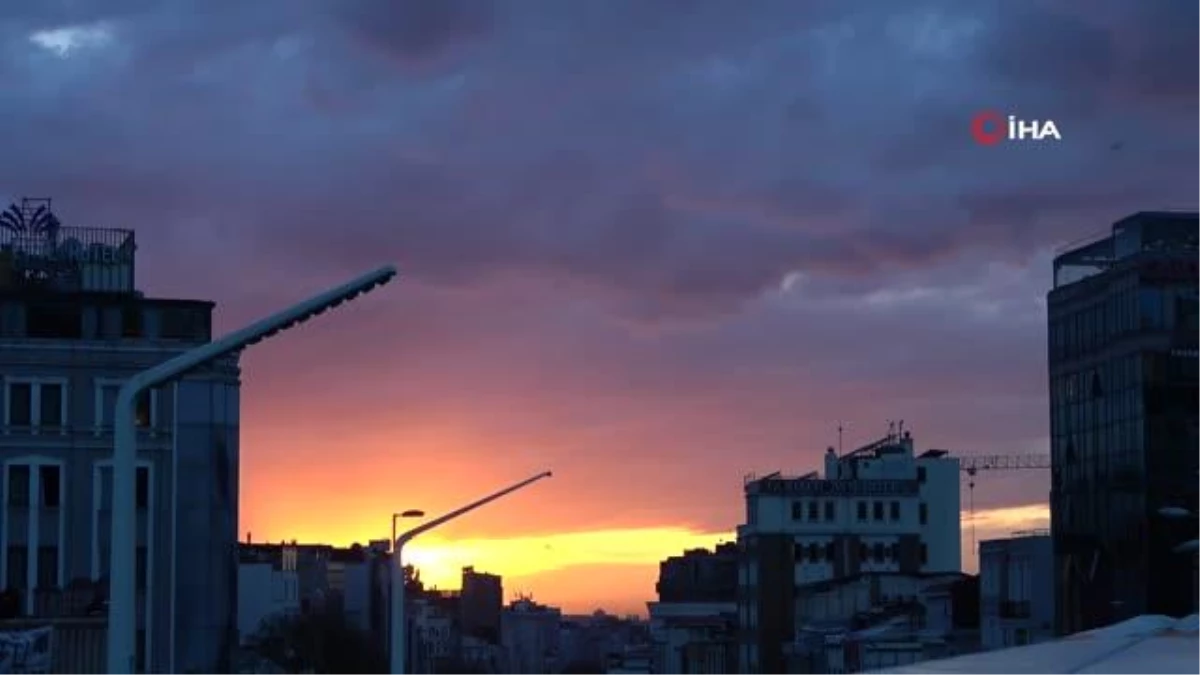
(650, 245)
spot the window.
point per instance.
(50, 396)
(829, 551)
(18, 567)
(895, 511)
(61, 321)
(36, 403)
(797, 510)
(894, 551)
(923, 513)
(182, 323)
(877, 550)
(47, 567)
(51, 484)
(145, 412)
(18, 485)
(131, 321)
(877, 510)
(20, 404)
(862, 512)
(829, 511)
(921, 474)
(143, 487)
(814, 512)
(814, 553)
(864, 552)
(924, 554)
(141, 568)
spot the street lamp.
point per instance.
(1191, 547)
(410, 513)
(122, 598)
(399, 634)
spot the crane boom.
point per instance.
(973, 464)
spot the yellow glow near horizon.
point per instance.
(440, 561)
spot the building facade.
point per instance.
(481, 603)
(1123, 406)
(72, 328)
(693, 626)
(530, 637)
(1016, 590)
(879, 508)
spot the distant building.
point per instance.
(289, 578)
(699, 575)
(693, 626)
(481, 603)
(268, 587)
(1123, 420)
(879, 508)
(73, 328)
(883, 619)
(435, 641)
(530, 637)
(1016, 590)
(602, 642)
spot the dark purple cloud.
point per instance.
(597, 204)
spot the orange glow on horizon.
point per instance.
(615, 569)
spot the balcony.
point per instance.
(85, 435)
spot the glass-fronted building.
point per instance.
(1123, 404)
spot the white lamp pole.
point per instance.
(122, 600)
(399, 632)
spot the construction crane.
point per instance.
(971, 465)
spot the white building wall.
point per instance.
(942, 492)
(356, 596)
(940, 532)
(264, 592)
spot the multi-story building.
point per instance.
(482, 599)
(1016, 590)
(292, 578)
(73, 327)
(530, 637)
(879, 508)
(268, 587)
(693, 626)
(1123, 420)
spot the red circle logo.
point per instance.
(988, 127)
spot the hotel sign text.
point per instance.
(807, 487)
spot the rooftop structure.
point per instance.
(73, 328)
(38, 252)
(1146, 232)
(1144, 644)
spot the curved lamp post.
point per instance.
(399, 634)
(1191, 546)
(122, 600)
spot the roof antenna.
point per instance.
(840, 438)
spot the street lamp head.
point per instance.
(1175, 512)
(413, 513)
(1192, 547)
(326, 301)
